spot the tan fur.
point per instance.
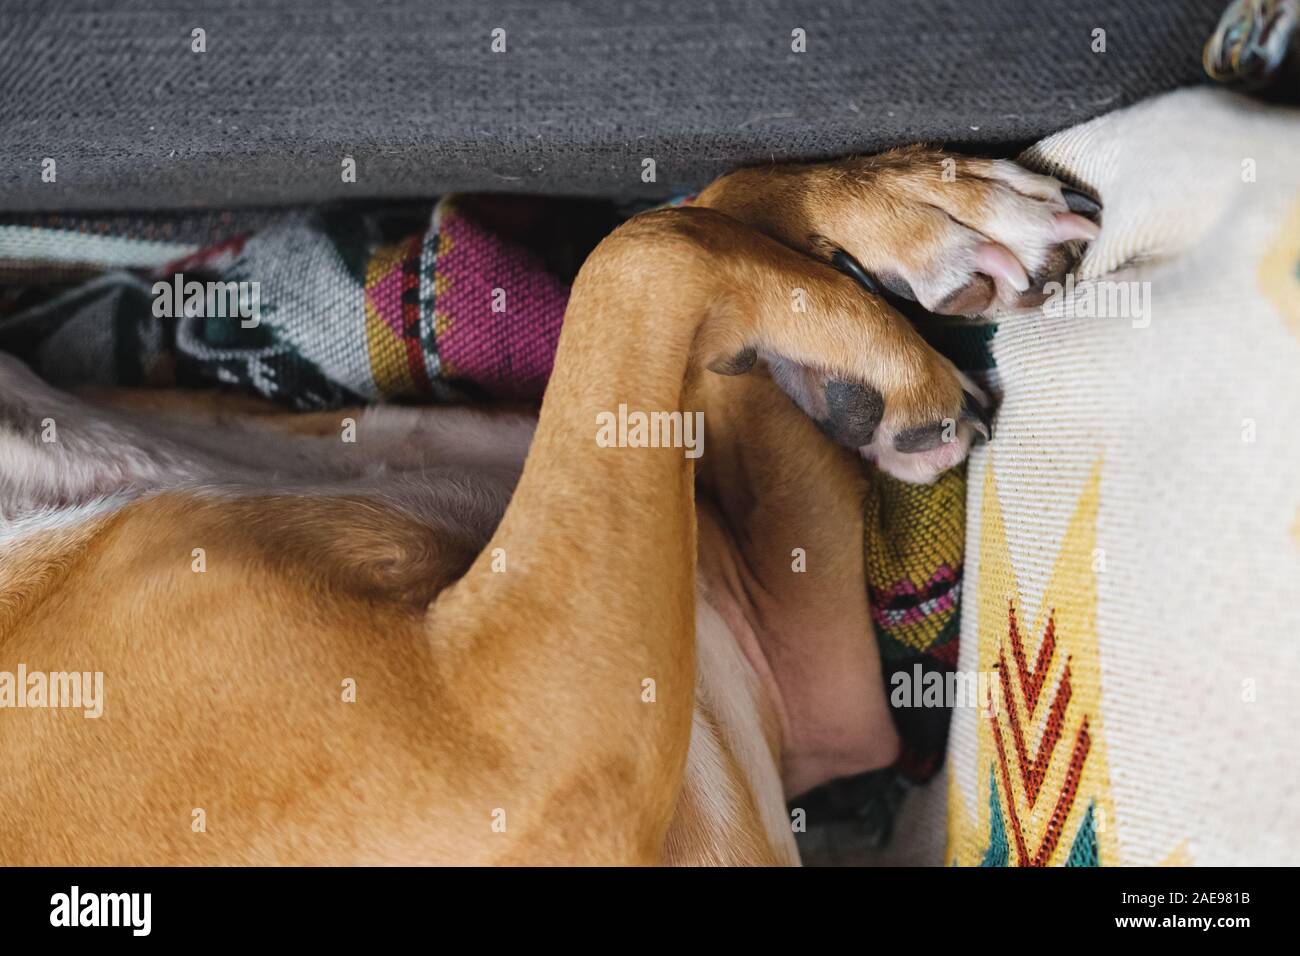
(521, 691)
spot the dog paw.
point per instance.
(961, 236)
(913, 426)
(851, 361)
(921, 453)
(860, 370)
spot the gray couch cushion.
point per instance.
(584, 92)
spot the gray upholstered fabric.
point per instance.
(585, 91)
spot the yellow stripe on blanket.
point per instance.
(1279, 271)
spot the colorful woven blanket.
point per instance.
(316, 309)
(350, 308)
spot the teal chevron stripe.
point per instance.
(999, 851)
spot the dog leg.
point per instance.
(593, 591)
(962, 235)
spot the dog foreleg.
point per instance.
(573, 629)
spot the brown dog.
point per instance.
(472, 637)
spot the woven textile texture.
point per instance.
(581, 95)
(1133, 539)
(350, 307)
(1133, 530)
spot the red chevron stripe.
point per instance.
(1064, 800)
(1032, 772)
(1032, 682)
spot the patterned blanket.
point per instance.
(350, 308)
(319, 308)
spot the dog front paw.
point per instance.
(855, 366)
(959, 235)
(913, 429)
(962, 236)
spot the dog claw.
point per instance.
(978, 414)
(997, 262)
(850, 267)
(1070, 225)
(1081, 203)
